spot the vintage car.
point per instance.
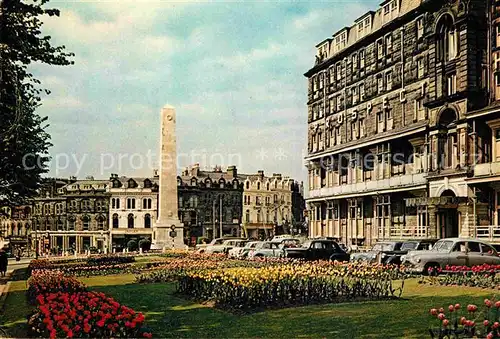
(380, 252)
(217, 241)
(318, 249)
(395, 257)
(453, 252)
(237, 250)
(267, 249)
(225, 246)
(249, 246)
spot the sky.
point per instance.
(233, 71)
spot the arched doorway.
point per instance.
(447, 216)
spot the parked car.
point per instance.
(380, 252)
(217, 241)
(395, 257)
(267, 249)
(224, 247)
(318, 249)
(249, 246)
(235, 251)
(452, 251)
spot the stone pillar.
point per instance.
(434, 154)
(168, 222)
(462, 144)
(433, 225)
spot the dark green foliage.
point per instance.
(24, 141)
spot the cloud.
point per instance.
(232, 70)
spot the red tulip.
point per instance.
(486, 323)
(434, 311)
(441, 310)
(451, 308)
(457, 306)
(441, 316)
(496, 325)
(445, 322)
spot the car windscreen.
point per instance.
(383, 247)
(443, 246)
(306, 244)
(408, 246)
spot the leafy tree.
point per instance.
(145, 244)
(24, 141)
(132, 245)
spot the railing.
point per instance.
(490, 168)
(372, 185)
(489, 233)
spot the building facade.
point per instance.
(268, 204)
(133, 208)
(71, 216)
(210, 202)
(402, 124)
(15, 228)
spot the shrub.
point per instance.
(145, 244)
(132, 245)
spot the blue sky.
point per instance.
(233, 70)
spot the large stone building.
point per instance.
(71, 216)
(268, 204)
(133, 209)
(210, 202)
(15, 228)
(404, 129)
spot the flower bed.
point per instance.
(483, 276)
(50, 281)
(254, 288)
(453, 322)
(66, 309)
(84, 315)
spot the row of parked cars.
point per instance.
(418, 255)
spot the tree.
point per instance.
(24, 142)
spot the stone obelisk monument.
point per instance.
(168, 231)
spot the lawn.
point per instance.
(170, 316)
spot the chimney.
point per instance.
(195, 170)
(232, 171)
(89, 177)
(260, 173)
(72, 178)
(156, 173)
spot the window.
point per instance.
(354, 61)
(380, 84)
(339, 71)
(447, 42)
(115, 221)
(258, 185)
(420, 28)
(71, 224)
(386, 9)
(420, 68)
(388, 81)
(361, 128)
(146, 203)
(130, 203)
(86, 205)
(130, 219)
(388, 45)
(259, 216)
(355, 95)
(361, 92)
(247, 185)
(100, 223)
(147, 221)
(315, 84)
(59, 225)
(362, 59)
(86, 223)
(321, 82)
(380, 49)
(451, 84)
(339, 103)
(247, 216)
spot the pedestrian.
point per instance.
(3, 262)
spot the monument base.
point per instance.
(169, 235)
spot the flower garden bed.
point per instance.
(66, 309)
(453, 322)
(483, 276)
